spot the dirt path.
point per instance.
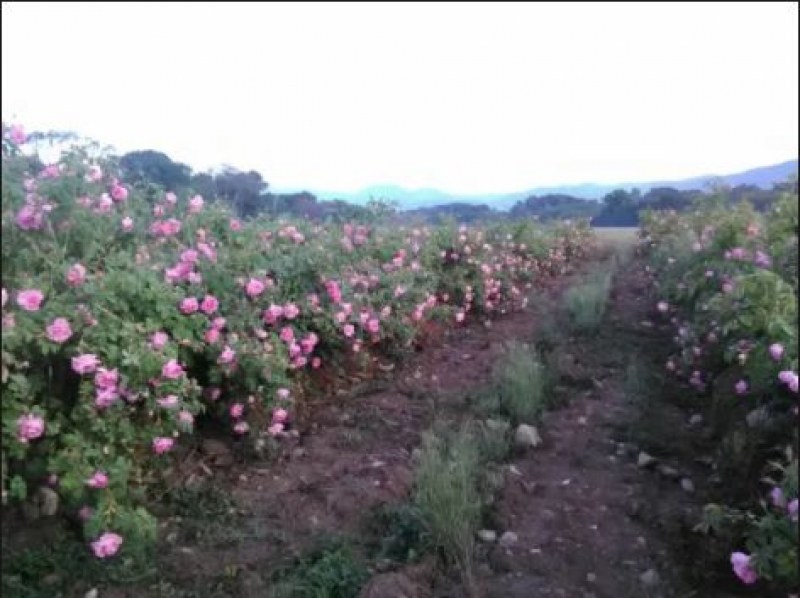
(589, 520)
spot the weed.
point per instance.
(332, 571)
(206, 513)
(404, 534)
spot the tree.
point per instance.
(243, 190)
(154, 167)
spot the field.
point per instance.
(197, 405)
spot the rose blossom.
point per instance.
(30, 299)
(59, 330)
(107, 545)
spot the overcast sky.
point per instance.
(466, 98)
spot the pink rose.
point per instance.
(209, 305)
(16, 133)
(218, 323)
(98, 480)
(30, 218)
(227, 356)
(211, 336)
(127, 224)
(279, 416)
(107, 545)
(275, 429)
(30, 300)
(172, 370)
(776, 351)
(241, 427)
(291, 311)
(105, 378)
(373, 326)
(158, 340)
(169, 402)
(334, 292)
(76, 275)
(85, 363)
(29, 427)
(5, 297)
(189, 305)
(106, 397)
(254, 288)
(118, 192)
(237, 410)
(186, 418)
(283, 394)
(196, 204)
(171, 198)
(162, 445)
(742, 567)
(349, 330)
(235, 225)
(59, 330)
(287, 334)
(316, 363)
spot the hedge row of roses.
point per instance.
(728, 281)
(130, 313)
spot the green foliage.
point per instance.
(729, 280)
(404, 535)
(330, 572)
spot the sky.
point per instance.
(469, 98)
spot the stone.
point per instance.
(487, 535)
(93, 593)
(649, 578)
(527, 436)
(508, 539)
(687, 485)
(669, 472)
(696, 420)
(645, 460)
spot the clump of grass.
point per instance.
(636, 383)
(521, 384)
(447, 493)
(404, 534)
(207, 514)
(331, 571)
(494, 440)
(586, 303)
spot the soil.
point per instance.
(589, 521)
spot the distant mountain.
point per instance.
(410, 199)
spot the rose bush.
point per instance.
(129, 313)
(727, 281)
